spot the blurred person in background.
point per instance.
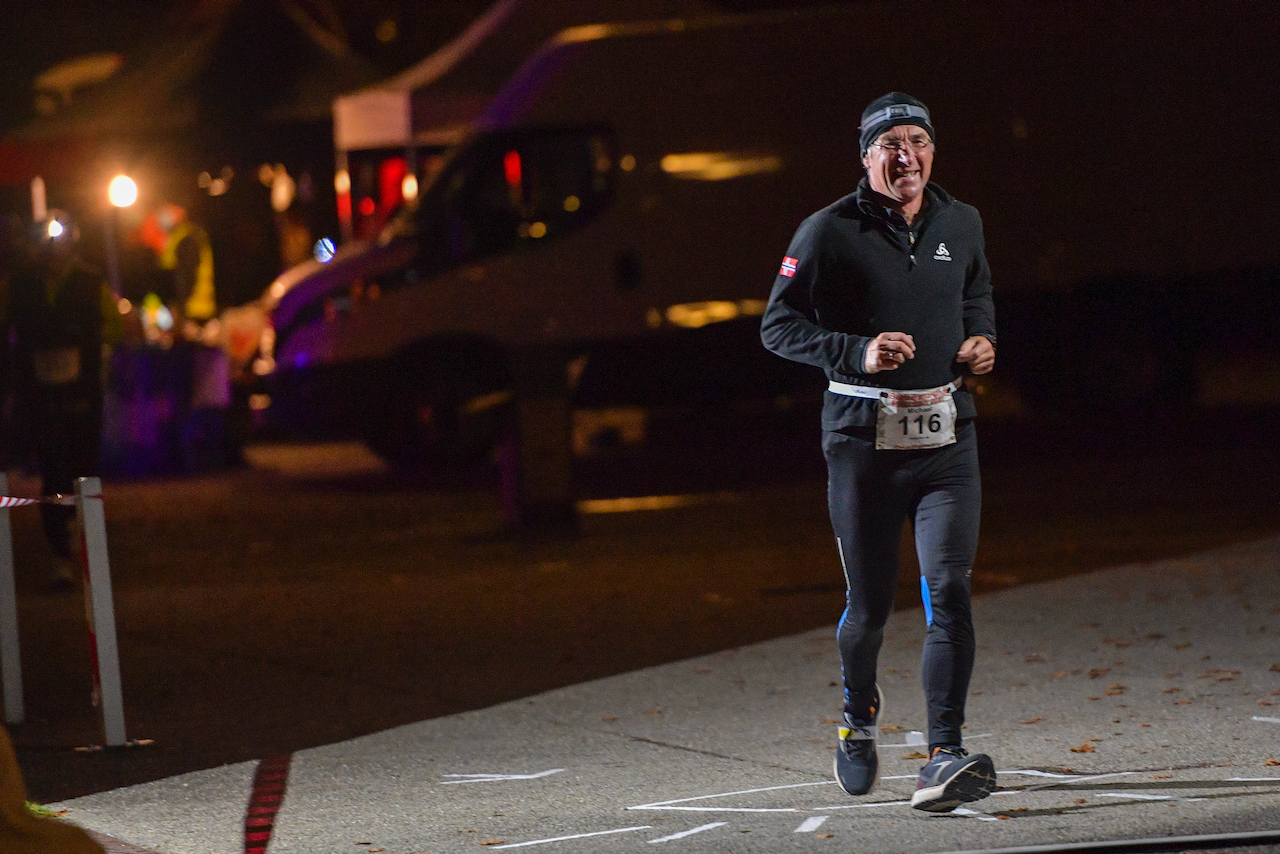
(60, 314)
(184, 256)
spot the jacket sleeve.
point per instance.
(979, 308)
(790, 326)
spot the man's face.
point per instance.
(898, 163)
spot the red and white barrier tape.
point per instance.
(63, 500)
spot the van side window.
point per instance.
(524, 189)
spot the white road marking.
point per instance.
(1144, 797)
(1267, 720)
(812, 824)
(1253, 779)
(863, 806)
(682, 834)
(575, 836)
(968, 813)
(911, 740)
(496, 778)
(667, 804)
(1040, 786)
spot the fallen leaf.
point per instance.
(653, 712)
(609, 718)
(1093, 698)
(1182, 645)
(1116, 689)
(1122, 644)
(891, 728)
(1019, 809)
(1084, 748)
(1060, 674)
(1078, 801)
(916, 755)
(1033, 720)
(492, 841)
(376, 850)
(1273, 762)
(1170, 690)
(1003, 817)
(1098, 671)
(1183, 703)
(834, 721)
(825, 835)
(1161, 776)
(1275, 668)
(1146, 725)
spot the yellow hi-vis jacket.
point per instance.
(200, 303)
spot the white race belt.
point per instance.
(914, 418)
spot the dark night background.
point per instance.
(251, 598)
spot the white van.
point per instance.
(631, 191)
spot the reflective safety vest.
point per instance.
(200, 303)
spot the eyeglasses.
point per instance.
(897, 146)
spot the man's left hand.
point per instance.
(979, 353)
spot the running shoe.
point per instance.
(952, 777)
(856, 767)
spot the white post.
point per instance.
(101, 606)
(10, 657)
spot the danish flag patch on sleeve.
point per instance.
(788, 267)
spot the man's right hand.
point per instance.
(887, 351)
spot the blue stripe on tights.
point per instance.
(928, 603)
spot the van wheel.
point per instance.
(439, 407)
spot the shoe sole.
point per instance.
(973, 781)
(835, 763)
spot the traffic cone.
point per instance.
(24, 833)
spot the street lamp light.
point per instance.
(121, 192)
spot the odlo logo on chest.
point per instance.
(942, 254)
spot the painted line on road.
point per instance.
(1253, 779)
(270, 780)
(911, 740)
(812, 824)
(667, 804)
(496, 778)
(1085, 779)
(682, 834)
(565, 838)
(974, 814)
(1145, 797)
(1267, 720)
(869, 806)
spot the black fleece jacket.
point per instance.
(855, 269)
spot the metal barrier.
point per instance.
(99, 607)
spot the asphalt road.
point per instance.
(314, 596)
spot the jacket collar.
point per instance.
(869, 205)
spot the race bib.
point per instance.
(910, 420)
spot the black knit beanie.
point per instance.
(890, 111)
